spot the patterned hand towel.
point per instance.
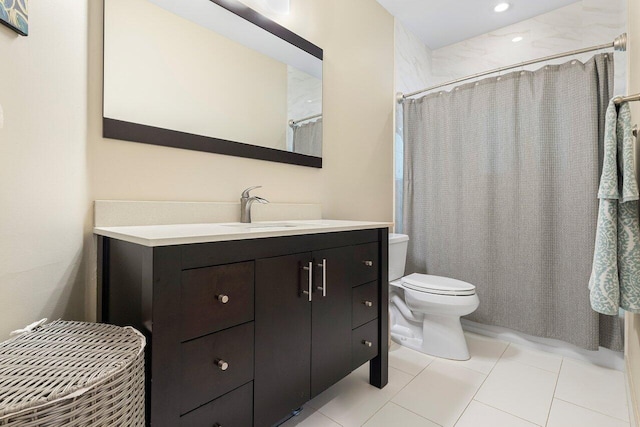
(615, 275)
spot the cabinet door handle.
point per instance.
(367, 303)
(367, 343)
(323, 288)
(222, 364)
(368, 263)
(223, 298)
(309, 268)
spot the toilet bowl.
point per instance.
(425, 310)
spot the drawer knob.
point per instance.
(222, 364)
(367, 303)
(368, 263)
(223, 298)
(217, 425)
(367, 343)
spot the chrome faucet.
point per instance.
(245, 204)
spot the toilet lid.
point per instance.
(437, 285)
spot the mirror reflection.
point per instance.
(194, 67)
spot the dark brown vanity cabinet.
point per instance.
(242, 333)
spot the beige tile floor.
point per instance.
(502, 385)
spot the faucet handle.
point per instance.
(245, 193)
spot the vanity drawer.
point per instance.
(365, 264)
(364, 343)
(364, 304)
(215, 298)
(233, 409)
(215, 364)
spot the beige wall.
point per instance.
(356, 181)
(187, 87)
(54, 162)
(632, 321)
(43, 176)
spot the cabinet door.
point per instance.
(282, 337)
(331, 317)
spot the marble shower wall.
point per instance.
(581, 24)
(412, 72)
(413, 61)
(578, 25)
(304, 98)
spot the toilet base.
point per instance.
(425, 328)
(443, 337)
(440, 336)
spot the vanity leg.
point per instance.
(102, 313)
(379, 366)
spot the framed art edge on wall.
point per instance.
(14, 15)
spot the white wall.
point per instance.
(356, 179)
(43, 167)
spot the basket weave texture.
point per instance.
(73, 374)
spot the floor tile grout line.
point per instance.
(388, 400)
(324, 415)
(522, 364)
(415, 413)
(593, 410)
(553, 396)
(498, 359)
(327, 416)
(474, 395)
(375, 413)
(481, 384)
(498, 409)
(415, 375)
(407, 385)
(508, 413)
(474, 371)
(402, 388)
(533, 366)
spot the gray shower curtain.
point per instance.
(307, 138)
(500, 185)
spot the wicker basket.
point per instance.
(73, 374)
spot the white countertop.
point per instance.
(180, 234)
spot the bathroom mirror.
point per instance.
(211, 75)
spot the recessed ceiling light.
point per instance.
(516, 39)
(501, 7)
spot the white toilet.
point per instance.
(425, 310)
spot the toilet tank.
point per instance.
(397, 255)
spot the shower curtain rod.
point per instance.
(630, 98)
(292, 123)
(619, 44)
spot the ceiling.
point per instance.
(440, 23)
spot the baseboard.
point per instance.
(632, 397)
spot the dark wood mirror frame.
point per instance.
(127, 131)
